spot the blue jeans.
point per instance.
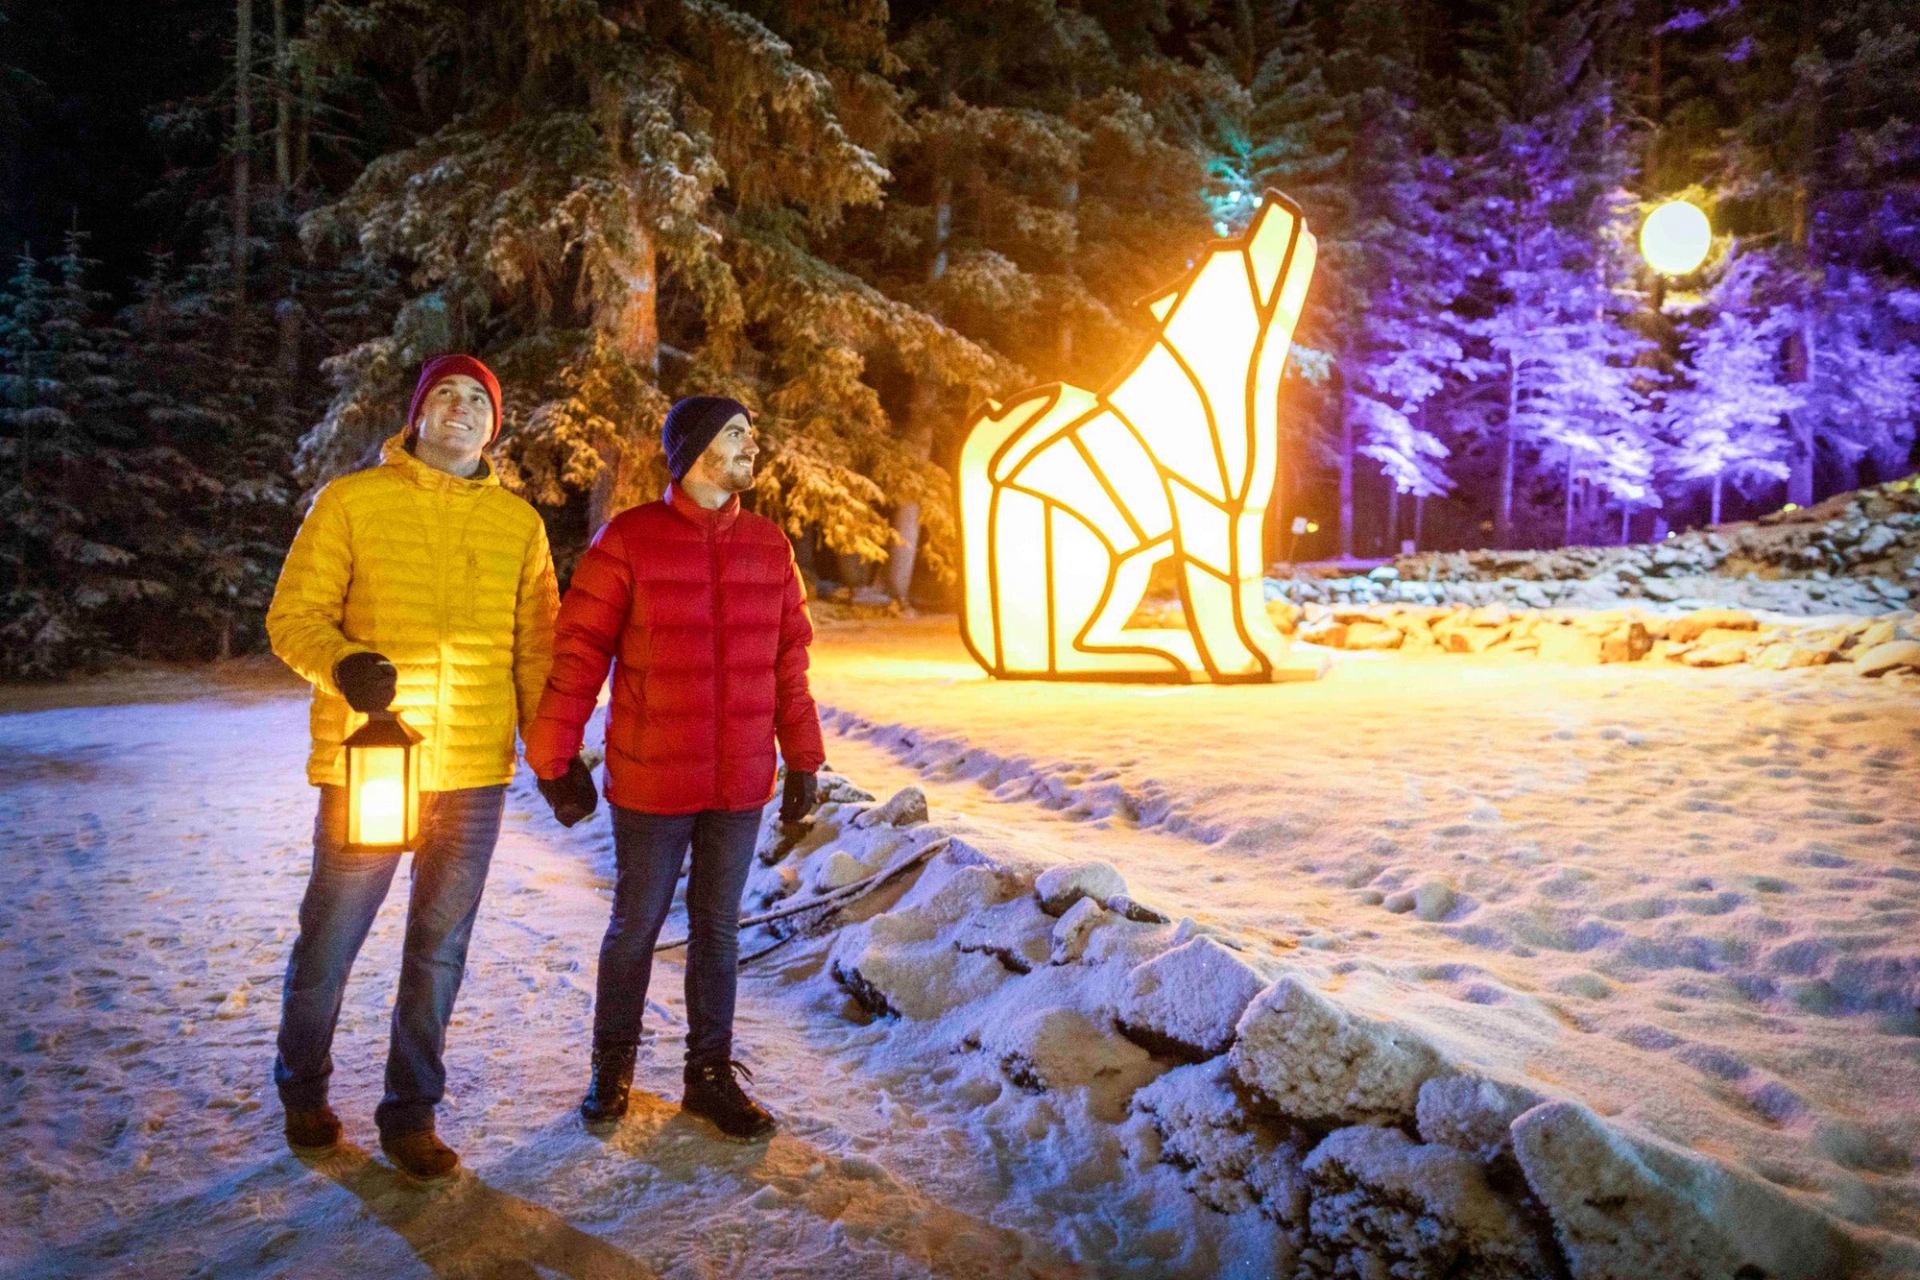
(649, 848)
(458, 830)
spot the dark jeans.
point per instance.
(458, 830)
(649, 848)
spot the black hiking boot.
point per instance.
(311, 1129)
(606, 1099)
(714, 1095)
(420, 1155)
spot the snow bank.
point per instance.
(1289, 1100)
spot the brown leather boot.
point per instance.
(420, 1155)
(311, 1129)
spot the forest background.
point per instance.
(237, 226)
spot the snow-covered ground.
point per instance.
(1458, 892)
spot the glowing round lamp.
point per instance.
(383, 786)
(1674, 238)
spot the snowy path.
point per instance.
(1686, 897)
(153, 859)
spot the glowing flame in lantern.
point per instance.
(1069, 497)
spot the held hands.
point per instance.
(366, 680)
(796, 800)
(572, 796)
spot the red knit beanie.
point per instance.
(439, 369)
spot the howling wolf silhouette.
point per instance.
(1069, 497)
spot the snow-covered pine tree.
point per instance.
(1555, 301)
(1041, 193)
(615, 205)
(76, 495)
(1729, 409)
(1821, 137)
(1336, 120)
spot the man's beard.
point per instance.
(738, 477)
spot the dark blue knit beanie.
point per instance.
(690, 427)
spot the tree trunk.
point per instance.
(1566, 526)
(1393, 518)
(1713, 513)
(1345, 462)
(282, 105)
(1626, 524)
(242, 163)
(1419, 518)
(1503, 517)
(1800, 361)
(918, 442)
(629, 321)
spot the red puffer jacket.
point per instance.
(704, 618)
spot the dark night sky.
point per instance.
(78, 143)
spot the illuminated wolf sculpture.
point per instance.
(1069, 497)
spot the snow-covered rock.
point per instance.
(1473, 1113)
(1059, 1046)
(1891, 655)
(903, 808)
(1070, 933)
(1186, 1002)
(1310, 1059)
(1229, 1159)
(1630, 1208)
(1017, 933)
(1384, 1205)
(1060, 887)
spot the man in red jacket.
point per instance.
(700, 610)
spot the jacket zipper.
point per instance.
(719, 670)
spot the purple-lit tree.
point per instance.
(1729, 409)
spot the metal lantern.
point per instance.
(383, 786)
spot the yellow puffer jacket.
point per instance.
(452, 580)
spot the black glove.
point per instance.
(367, 680)
(796, 801)
(572, 796)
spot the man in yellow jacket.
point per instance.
(423, 585)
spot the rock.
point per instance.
(1384, 1205)
(1725, 654)
(1057, 1046)
(904, 808)
(1628, 643)
(1474, 639)
(895, 965)
(1185, 1003)
(1634, 1207)
(1473, 1113)
(1786, 657)
(1229, 1161)
(1567, 644)
(1309, 1059)
(1693, 625)
(1017, 933)
(1490, 615)
(1329, 633)
(1070, 932)
(1894, 655)
(1373, 635)
(1060, 887)
(1877, 633)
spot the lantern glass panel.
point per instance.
(379, 808)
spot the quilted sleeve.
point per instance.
(796, 721)
(584, 635)
(309, 601)
(533, 617)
